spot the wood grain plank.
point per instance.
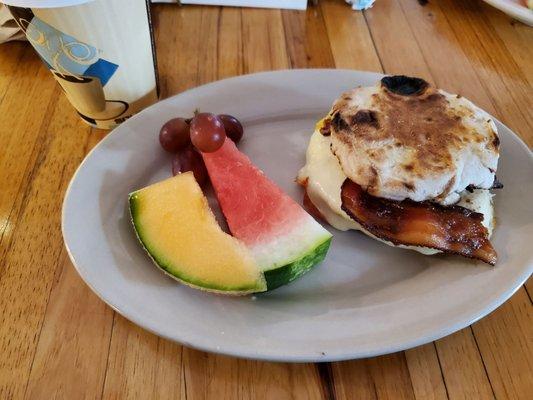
(353, 381)
(207, 51)
(463, 367)
(385, 377)
(391, 376)
(72, 351)
(395, 43)
(32, 92)
(178, 36)
(499, 75)
(71, 356)
(230, 46)
(211, 376)
(189, 49)
(264, 45)
(351, 43)
(30, 266)
(516, 36)
(141, 365)
(307, 40)
(425, 372)
(504, 340)
(10, 58)
(136, 355)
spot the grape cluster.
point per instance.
(186, 138)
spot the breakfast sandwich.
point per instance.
(407, 164)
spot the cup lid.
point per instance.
(43, 3)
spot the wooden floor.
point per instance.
(58, 340)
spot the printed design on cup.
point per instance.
(77, 67)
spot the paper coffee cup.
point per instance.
(100, 51)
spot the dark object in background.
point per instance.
(404, 85)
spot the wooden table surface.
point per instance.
(58, 340)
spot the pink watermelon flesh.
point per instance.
(285, 241)
(255, 207)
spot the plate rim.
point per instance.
(517, 11)
(276, 357)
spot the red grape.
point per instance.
(207, 132)
(174, 135)
(232, 126)
(189, 159)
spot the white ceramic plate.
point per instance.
(515, 8)
(365, 299)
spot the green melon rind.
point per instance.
(283, 275)
(174, 273)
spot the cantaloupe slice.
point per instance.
(177, 228)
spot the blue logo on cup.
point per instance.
(67, 55)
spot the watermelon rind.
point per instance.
(175, 272)
(287, 273)
(289, 255)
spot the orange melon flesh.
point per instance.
(177, 228)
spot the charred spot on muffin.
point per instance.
(409, 186)
(339, 123)
(367, 117)
(404, 85)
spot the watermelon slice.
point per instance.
(284, 240)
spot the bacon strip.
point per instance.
(452, 229)
(312, 209)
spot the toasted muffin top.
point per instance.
(403, 138)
